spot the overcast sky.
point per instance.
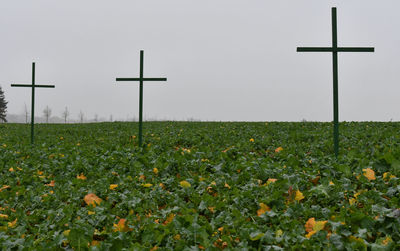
(224, 59)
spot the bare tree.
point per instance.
(26, 112)
(65, 114)
(81, 116)
(47, 113)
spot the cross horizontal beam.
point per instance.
(141, 79)
(41, 86)
(339, 49)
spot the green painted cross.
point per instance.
(141, 79)
(33, 86)
(335, 49)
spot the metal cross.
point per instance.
(335, 49)
(33, 86)
(141, 79)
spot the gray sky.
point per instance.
(224, 59)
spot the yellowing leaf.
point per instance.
(352, 201)
(66, 232)
(121, 226)
(51, 184)
(81, 177)
(185, 184)
(388, 176)
(91, 212)
(319, 225)
(147, 185)
(92, 199)
(270, 180)
(4, 188)
(169, 219)
(3, 216)
(13, 223)
(94, 243)
(312, 226)
(310, 234)
(279, 149)
(369, 174)
(263, 209)
(227, 186)
(386, 241)
(11, 170)
(299, 196)
(113, 186)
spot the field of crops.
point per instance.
(200, 186)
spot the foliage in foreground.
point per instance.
(200, 186)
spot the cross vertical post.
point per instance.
(33, 103)
(141, 99)
(335, 84)
(141, 79)
(33, 86)
(335, 49)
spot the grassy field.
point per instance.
(195, 186)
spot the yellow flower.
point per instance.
(185, 184)
(81, 177)
(369, 174)
(113, 186)
(155, 170)
(278, 233)
(263, 209)
(251, 140)
(147, 185)
(91, 212)
(270, 180)
(11, 169)
(299, 196)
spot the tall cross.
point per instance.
(33, 86)
(141, 79)
(335, 49)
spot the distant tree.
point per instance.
(26, 113)
(65, 114)
(81, 116)
(3, 106)
(47, 113)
